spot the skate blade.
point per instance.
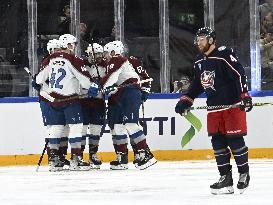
(225, 190)
(241, 191)
(150, 163)
(55, 169)
(94, 166)
(81, 168)
(119, 167)
(66, 167)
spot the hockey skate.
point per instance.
(136, 158)
(224, 185)
(144, 159)
(55, 164)
(121, 162)
(94, 161)
(243, 182)
(65, 161)
(78, 164)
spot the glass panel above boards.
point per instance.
(185, 18)
(14, 81)
(141, 34)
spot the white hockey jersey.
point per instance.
(119, 71)
(66, 74)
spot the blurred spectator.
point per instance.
(84, 32)
(266, 45)
(64, 21)
(267, 23)
(85, 39)
(265, 8)
(112, 37)
(181, 86)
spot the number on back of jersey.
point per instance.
(56, 78)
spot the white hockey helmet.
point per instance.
(116, 46)
(66, 39)
(52, 44)
(97, 48)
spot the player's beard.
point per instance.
(205, 49)
(99, 59)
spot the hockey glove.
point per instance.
(35, 85)
(93, 90)
(110, 90)
(183, 106)
(246, 102)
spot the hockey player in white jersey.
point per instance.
(66, 74)
(123, 108)
(94, 108)
(53, 46)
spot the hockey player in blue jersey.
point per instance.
(218, 73)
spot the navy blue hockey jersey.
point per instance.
(220, 75)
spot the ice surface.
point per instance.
(166, 183)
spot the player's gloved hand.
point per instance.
(110, 90)
(35, 85)
(183, 105)
(246, 102)
(145, 92)
(93, 90)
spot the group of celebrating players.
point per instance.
(107, 73)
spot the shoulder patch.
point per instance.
(222, 48)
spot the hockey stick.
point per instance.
(106, 90)
(42, 156)
(28, 72)
(228, 106)
(42, 93)
(143, 115)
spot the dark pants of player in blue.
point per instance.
(44, 106)
(66, 114)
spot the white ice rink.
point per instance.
(167, 183)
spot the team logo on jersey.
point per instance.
(207, 79)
